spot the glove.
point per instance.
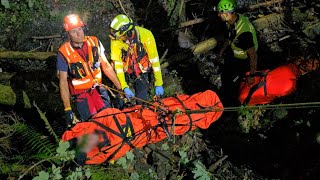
(71, 119)
(128, 93)
(159, 90)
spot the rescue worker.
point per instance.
(79, 64)
(134, 53)
(241, 46)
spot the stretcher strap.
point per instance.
(254, 89)
(122, 134)
(106, 141)
(189, 116)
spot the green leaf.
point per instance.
(134, 176)
(42, 176)
(130, 156)
(63, 146)
(88, 173)
(122, 162)
(76, 175)
(308, 124)
(30, 3)
(184, 157)
(152, 174)
(13, 18)
(165, 147)
(5, 3)
(280, 113)
(56, 172)
(200, 172)
(63, 153)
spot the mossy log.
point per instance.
(26, 55)
(204, 46)
(270, 20)
(9, 98)
(265, 4)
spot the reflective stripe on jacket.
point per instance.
(82, 73)
(138, 57)
(241, 26)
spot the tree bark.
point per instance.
(26, 55)
(267, 3)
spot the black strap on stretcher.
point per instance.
(190, 125)
(122, 134)
(257, 86)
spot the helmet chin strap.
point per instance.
(226, 17)
(131, 35)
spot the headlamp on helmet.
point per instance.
(72, 21)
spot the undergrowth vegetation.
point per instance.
(29, 152)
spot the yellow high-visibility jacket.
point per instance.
(149, 44)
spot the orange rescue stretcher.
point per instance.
(278, 82)
(120, 131)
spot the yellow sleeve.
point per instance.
(151, 48)
(116, 56)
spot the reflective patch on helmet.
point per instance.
(113, 23)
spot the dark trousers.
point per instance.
(233, 72)
(141, 86)
(91, 102)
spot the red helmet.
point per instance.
(72, 21)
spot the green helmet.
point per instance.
(120, 25)
(226, 6)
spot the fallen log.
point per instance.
(204, 46)
(9, 98)
(184, 24)
(26, 55)
(46, 37)
(267, 3)
(271, 20)
(191, 22)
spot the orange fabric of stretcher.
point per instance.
(141, 125)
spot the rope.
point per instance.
(139, 99)
(303, 105)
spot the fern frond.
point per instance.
(48, 125)
(35, 141)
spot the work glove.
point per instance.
(71, 119)
(159, 91)
(128, 93)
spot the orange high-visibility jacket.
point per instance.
(119, 131)
(87, 75)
